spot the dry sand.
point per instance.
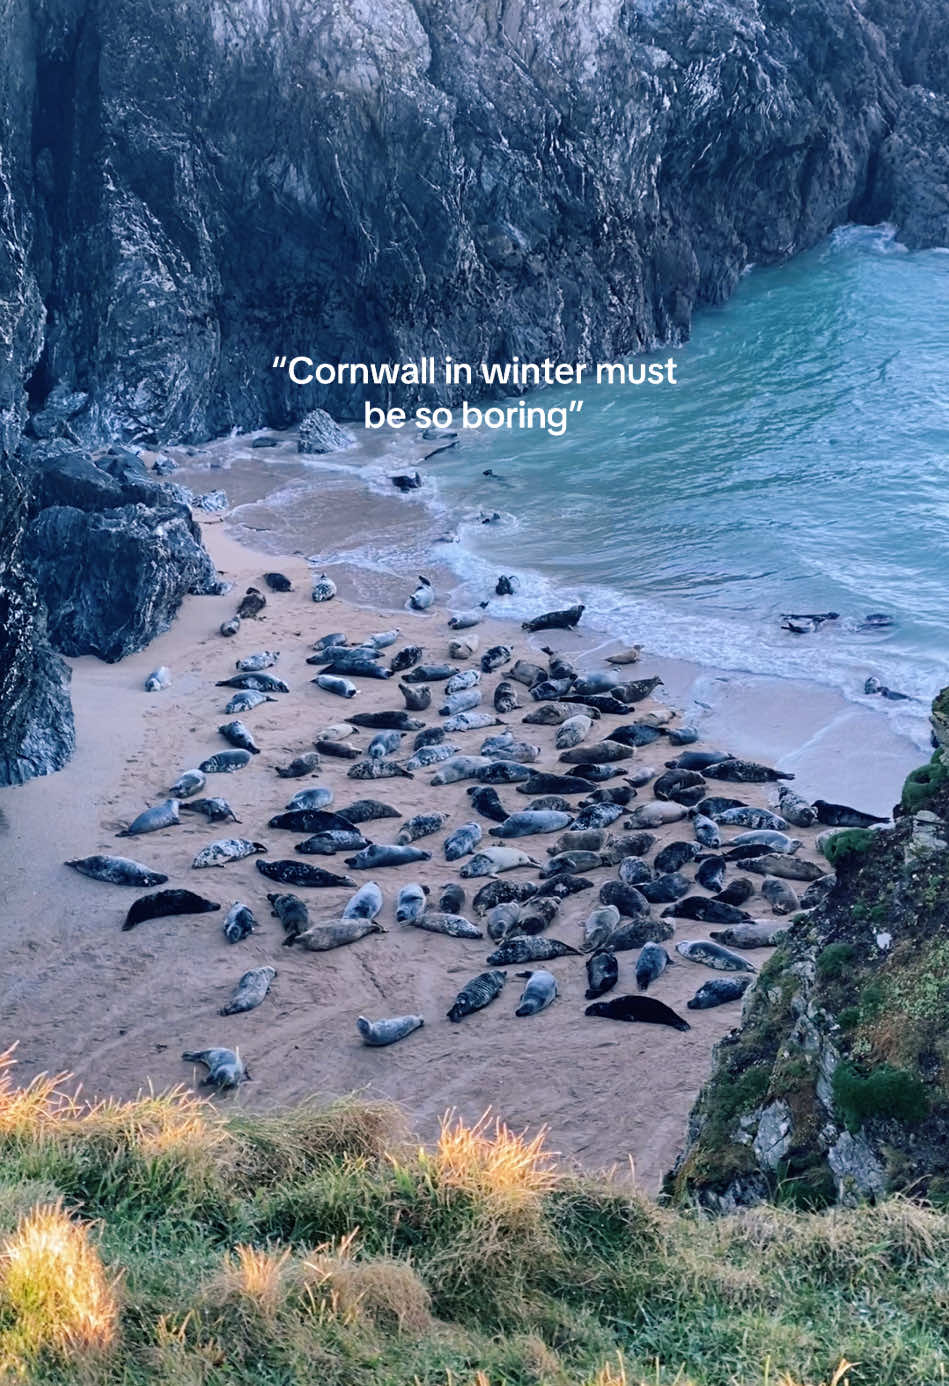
(116, 1009)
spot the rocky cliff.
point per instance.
(835, 1087)
(187, 189)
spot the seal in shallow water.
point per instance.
(381, 1032)
(117, 871)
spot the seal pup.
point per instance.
(239, 923)
(338, 750)
(225, 762)
(711, 873)
(320, 938)
(292, 913)
(528, 948)
(779, 864)
(505, 699)
(454, 925)
(745, 772)
(651, 964)
(239, 735)
(226, 849)
(713, 955)
(368, 810)
(477, 994)
(301, 873)
(422, 825)
(841, 816)
(411, 904)
(365, 904)
(465, 701)
(736, 892)
(502, 892)
(503, 919)
(396, 720)
(464, 620)
(278, 582)
(380, 854)
(230, 627)
(214, 810)
(638, 1008)
(754, 935)
(250, 990)
(189, 782)
(258, 683)
(779, 895)
(571, 732)
(423, 597)
(384, 743)
(381, 1032)
(602, 973)
(452, 898)
(555, 620)
(167, 902)
(717, 991)
(494, 657)
(462, 841)
(540, 992)
(531, 821)
(796, 809)
(307, 764)
(757, 819)
(164, 815)
(324, 589)
(328, 844)
(316, 798)
(703, 908)
(432, 755)
(493, 860)
(484, 798)
(225, 1068)
(418, 697)
(378, 770)
(598, 926)
(676, 855)
(247, 700)
(117, 871)
(628, 655)
(706, 831)
(158, 679)
(333, 683)
(263, 659)
(251, 604)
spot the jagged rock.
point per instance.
(136, 565)
(859, 1173)
(320, 433)
(211, 501)
(774, 1135)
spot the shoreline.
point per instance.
(116, 1009)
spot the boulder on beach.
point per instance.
(319, 432)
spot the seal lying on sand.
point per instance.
(117, 871)
(540, 992)
(336, 934)
(224, 762)
(225, 1067)
(250, 990)
(713, 955)
(165, 902)
(227, 849)
(164, 815)
(477, 994)
(528, 948)
(301, 873)
(239, 923)
(292, 913)
(382, 1032)
(718, 991)
(642, 1008)
(602, 973)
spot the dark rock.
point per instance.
(114, 580)
(320, 433)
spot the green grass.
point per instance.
(158, 1242)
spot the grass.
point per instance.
(157, 1241)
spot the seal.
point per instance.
(471, 721)
(246, 701)
(380, 1032)
(779, 864)
(718, 991)
(164, 815)
(315, 798)
(636, 734)
(502, 920)
(431, 673)
(117, 871)
(629, 654)
(312, 821)
(634, 871)
(627, 899)
(397, 720)
(452, 898)
(325, 642)
(651, 964)
(540, 992)
(502, 892)
(227, 849)
(675, 855)
(432, 755)
(603, 753)
(307, 764)
(656, 814)
(239, 923)
(549, 714)
(583, 840)
(551, 803)
(537, 915)
(796, 809)
(324, 589)
(571, 732)
(465, 701)
(326, 746)
(405, 658)
(555, 620)
(685, 787)
(360, 662)
(263, 659)
(664, 889)
(602, 973)
(683, 736)
(703, 908)
(251, 604)
(484, 798)
(214, 810)
(332, 683)
(638, 1008)
(411, 904)
(636, 933)
(422, 825)
(779, 895)
(384, 743)
(418, 697)
(570, 863)
(239, 735)
(166, 902)
(598, 926)
(531, 821)
(459, 768)
(505, 746)
(430, 736)
(775, 841)
(505, 698)
(292, 913)
(745, 772)
(258, 683)
(328, 844)
(230, 626)
(477, 994)
(528, 948)
(706, 831)
(462, 842)
(224, 762)
(368, 810)
(301, 873)
(494, 657)
(250, 991)
(188, 783)
(818, 891)
(736, 892)
(465, 678)
(384, 854)
(454, 925)
(493, 860)
(713, 955)
(756, 935)
(378, 770)
(464, 620)
(423, 597)
(158, 679)
(277, 582)
(539, 782)
(320, 938)
(365, 904)
(549, 690)
(501, 772)
(634, 844)
(759, 820)
(711, 873)
(840, 816)
(225, 1067)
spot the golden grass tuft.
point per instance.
(490, 1162)
(388, 1292)
(55, 1297)
(288, 1145)
(254, 1278)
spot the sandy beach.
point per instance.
(116, 1008)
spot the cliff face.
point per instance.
(835, 1087)
(187, 189)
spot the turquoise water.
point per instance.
(801, 464)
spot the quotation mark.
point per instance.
(575, 406)
(279, 363)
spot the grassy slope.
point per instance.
(321, 1245)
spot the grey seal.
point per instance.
(705, 909)
(251, 664)
(548, 714)
(676, 855)
(484, 798)
(251, 604)
(311, 821)
(501, 772)
(301, 873)
(664, 889)
(230, 626)
(395, 720)
(368, 810)
(418, 697)
(464, 648)
(365, 904)
(431, 755)
(636, 933)
(412, 903)
(320, 938)
(717, 991)
(736, 892)
(383, 854)
(501, 892)
(328, 844)
(224, 762)
(471, 721)
(523, 671)
(752, 935)
(462, 841)
(597, 816)
(431, 673)
(555, 620)
(167, 902)
(454, 925)
(250, 991)
(246, 701)
(706, 831)
(747, 817)
(225, 1067)
(778, 842)
(713, 955)
(316, 798)
(635, 872)
(189, 782)
(540, 782)
(215, 810)
(780, 864)
(531, 821)
(423, 597)
(335, 683)
(307, 764)
(406, 657)
(164, 815)
(540, 992)
(464, 701)
(796, 809)
(573, 731)
(384, 743)
(502, 919)
(382, 1032)
(537, 914)
(493, 860)
(339, 750)
(117, 871)
(494, 657)
(598, 926)
(745, 772)
(711, 873)
(324, 589)
(239, 735)
(239, 922)
(292, 913)
(158, 679)
(278, 582)
(422, 825)
(651, 964)
(226, 849)
(477, 994)
(602, 973)
(528, 948)
(452, 898)
(259, 683)
(378, 770)
(465, 678)
(779, 895)
(645, 1009)
(841, 816)
(505, 699)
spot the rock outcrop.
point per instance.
(835, 1087)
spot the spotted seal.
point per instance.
(188, 783)
(117, 871)
(528, 948)
(246, 701)
(301, 873)
(225, 762)
(226, 849)
(422, 825)
(477, 994)
(239, 922)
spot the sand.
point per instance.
(116, 1008)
